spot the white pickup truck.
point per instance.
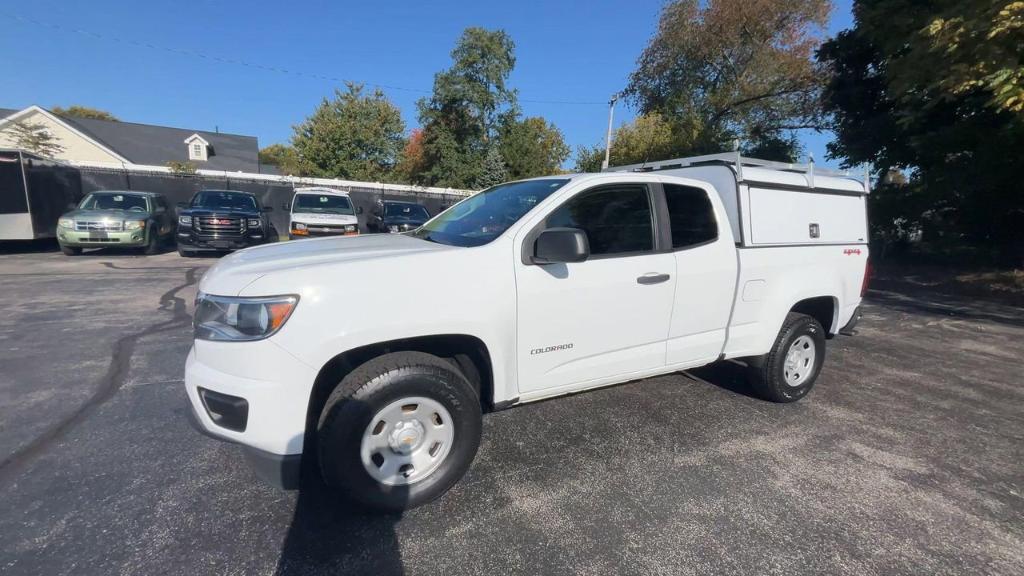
(375, 356)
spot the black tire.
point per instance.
(152, 244)
(373, 386)
(768, 372)
(70, 250)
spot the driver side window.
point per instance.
(616, 218)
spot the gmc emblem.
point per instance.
(215, 221)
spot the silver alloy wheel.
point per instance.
(799, 361)
(406, 441)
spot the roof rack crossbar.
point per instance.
(733, 158)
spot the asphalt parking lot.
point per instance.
(908, 457)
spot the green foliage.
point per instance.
(905, 94)
(354, 136)
(182, 168)
(718, 71)
(494, 171)
(34, 137)
(648, 137)
(77, 111)
(284, 157)
(470, 102)
(532, 147)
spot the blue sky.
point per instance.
(205, 64)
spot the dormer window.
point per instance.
(198, 148)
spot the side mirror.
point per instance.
(359, 209)
(561, 245)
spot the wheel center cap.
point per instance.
(406, 436)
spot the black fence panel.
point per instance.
(272, 194)
(53, 189)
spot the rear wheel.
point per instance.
(788, 372)
(399, 431)
(70, 250)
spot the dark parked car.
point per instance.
(117, 218)
(222, 220)
(396, 216)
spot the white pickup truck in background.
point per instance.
(375, 356)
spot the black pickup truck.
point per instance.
(222, 220)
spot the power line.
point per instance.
(247, 64)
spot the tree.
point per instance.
(647, 137)
(355, 135)
(532, 147)
(953, 127)
(470, 101)
(284, 158)
(181, 168)
(412, 163)
(77, 111)
(731, 69)
(36, 138)
(493, 172)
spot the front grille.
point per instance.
(100, 240)
(218, 226)
(101, 226)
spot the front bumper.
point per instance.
(214, 243)
(83, 239)
(275, 387)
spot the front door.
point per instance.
(585, 323)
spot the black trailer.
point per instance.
(34, 192)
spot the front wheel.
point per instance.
(70, 250)
(399, 431)
(788, 372)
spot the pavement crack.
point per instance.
(110, 383)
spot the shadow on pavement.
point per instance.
(948, 306)
(330, 535)
(29, 246)
(727, 375)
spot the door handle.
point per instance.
(652, 278)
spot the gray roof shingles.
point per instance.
(158, 145)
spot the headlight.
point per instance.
(185, 220)
(236, 319)
(134, 224)
(392, 228)
(254, 223)
(298, 226)
(350, 228)
(66, 223)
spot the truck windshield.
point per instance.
(396, 210)
(114, 201)
(322, 204)
(224, 200)
(484, 216)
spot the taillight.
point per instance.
(867, 278)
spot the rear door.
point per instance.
(705, 263)
(583, 323)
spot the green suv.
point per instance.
(116, 218)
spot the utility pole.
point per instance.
(608, 135)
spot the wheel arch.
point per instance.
(824, 309)
(467, 352)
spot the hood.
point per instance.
(320, 218)
(236, 271)
(110, 214)
(226, 212)
(417, 220)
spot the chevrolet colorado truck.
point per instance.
(375, 356)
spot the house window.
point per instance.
(196, 152)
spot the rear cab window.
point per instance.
(691, 215)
